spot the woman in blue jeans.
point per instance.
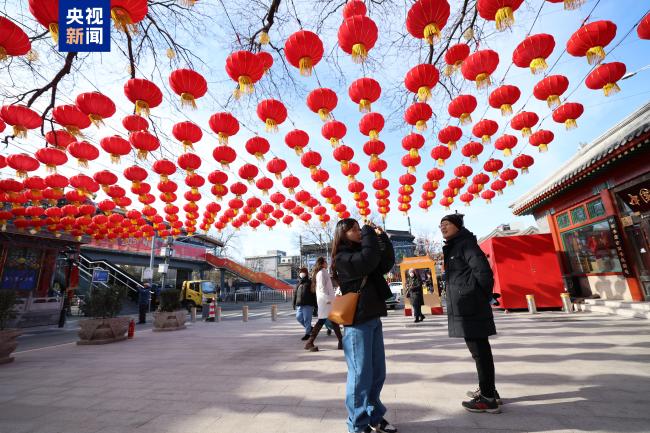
(360, 258)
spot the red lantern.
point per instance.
(418, 114)
(248, 172)
(377, 166)
(322, 101)
(144, 94)
(133, 123)
(84, 185)
(291, 182)
(357, 35)
(224, 125)
(440, 154)
(371, 125)
(533, 51)
(144, 142)
(466, 198)
(187, 133)
(454, 57)
(264, 184)
(343, 154)
(471, 150)
(550, 88)
(501, 11)
(479, 66)
(450, 135)
(83, 152)
(461, 107)
(51, 158)
(605, 77)
(373, 148)
(297, 140)
(498, 186)
(488, 195)
(20, 117)
(164, 168)
(567, 113)
(426, 18)
(13, 40)
(523, 162)
(364, 91)
(46, 13)
(266, 59)
(523, 122)
(509, 175)
(463, 172)
(421, 79)
(412, 143)
(569, 4)
(303, 50)
(351, 170)
(590, 40)
(245, 69)
(59, 138)
(493, 166)
(258, 146)
(71, 118)
(354, 7)
(96, 106)
(116, 146)
(320, 176)
(276, 166)
(541, 139)
(334, 131)
(224, 155)
(311, 160)
(485, 129)
(135, 174)
(480, 180)
(189, 85)
(411, 162)
(506, 143)
(105, 178)
(22, 163)
(190, 162)
(643, 29)
(435, 175)
(503, 97)
(127, 14)
(272, 112)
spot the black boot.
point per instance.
(314, 333)
(337, 331)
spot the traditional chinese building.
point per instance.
(597, 207)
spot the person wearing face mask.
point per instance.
(414, 293)
(304, 301)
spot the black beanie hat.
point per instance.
(454, 218)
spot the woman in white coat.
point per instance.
(324, 297)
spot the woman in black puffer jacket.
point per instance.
(360, 258)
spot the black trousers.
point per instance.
(143, 313)
(417, 309)
(482, 354)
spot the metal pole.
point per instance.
(151, 257)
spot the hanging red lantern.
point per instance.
(59, 138)
(590, 40)
(96, 106)
(116, 146)
(303, 50)
(503, 98)
(248, 172)
(224, 155)
(126, 14)
(320, 176)
(105, 179)
(509, 175)
(334, 131)
(411, 162)
(22, 163)
(272, 112)
(224, 125)
(291, 182)
(541, 139)
(311, 160)
(13, 40)
(471, 150)
(258, 146)
(533, 51)
(454, 57)
(354, 7)
(46, 13)
(440, 154)
(466, 198)
(21, 118)
(133, 123)
(357, 35)
(85, 185)
(412, 143)
(485, 129)
(136, 175)
(188, 133)
(461, 107)
(71, 118)
(276, 166)
(421, 79)
(550, 89)
(351, 170)
(364, 91)
(374, 148)
(488, 195)
(371, 125)
(189, 85)
(266, 59)
(506, 143)
(418, 114)
(51, 158)
(500, 11)
(144, 94)
(164, 168)
(524, 122)
(434, 176)
(450, 135)
(377, 166)
(264, 184)
(643, 29)
(297, 140)
(479, 66)
(480, 179)
(498, 186)
(322, 101)
(569, 4)
(343, 154)
(568, 113)
(244, 68)
(83, 152)
(605, 77)
(426, 19)
(493, 166)
(463, 172)
(190, 162)
(523, 162)
(144, 142)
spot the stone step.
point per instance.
(637, 306)
(623, 312)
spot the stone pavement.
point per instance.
(556, 373)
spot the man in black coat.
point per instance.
(469, 281)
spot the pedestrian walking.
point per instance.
(304, 301)
(144, 297)
(324, 297)
(414, 293)
(360, 258)
(469, 282)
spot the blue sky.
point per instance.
(108, 73)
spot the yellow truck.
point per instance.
(195, 293)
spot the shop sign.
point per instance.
(618, 243)
(637, 197)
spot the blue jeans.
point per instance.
(363, 346)
(303, 316)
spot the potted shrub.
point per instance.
(8, 336)
(102, 306)
(171, 314)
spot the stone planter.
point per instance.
(8, 344)
(169, 321)
(103, 331)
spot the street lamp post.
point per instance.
(167, 252)
(70, 255)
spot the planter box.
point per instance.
(8, 344)
(103, 331)
(169, 321)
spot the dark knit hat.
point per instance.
(454, 218)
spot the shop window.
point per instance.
(563, 220)
(590, 249)
(595, 208)
(578, 215)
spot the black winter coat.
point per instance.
(303, 295)
(414, 289)
(469, 287)
(372, 258)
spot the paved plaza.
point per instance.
(556, 373)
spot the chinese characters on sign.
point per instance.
(618, 242)
(637, 197)
(84, 26)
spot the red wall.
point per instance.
(525, 265)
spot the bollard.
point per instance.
(567, 306)
(244, 312)
(259, 296)
(218, 314)
(211, 312)
(530, 300)
(131, 333)
(193, 314)
(274, 313)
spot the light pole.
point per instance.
(70, 255)
(167, 251)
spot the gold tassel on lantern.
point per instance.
(595, 55)
(570, 5)
(83, 163)
(411, 169)
(271, 125)
(3, 53)
(122, 20)
(538, 65)
(413, 153)
(486, 139)
(96, 120)
(553, 101)
(187, 145)
(74, 131)
(507, 152)
(506, 110)
(421, 125)
(373, 134)
(378, 175)
(299, 151)
(223, 138)
(504, 18)
(142, 154)
(611, 88)
(364, 106)
(19, 130)
(465, 118)
(468, 34)
(305, 66)
(473, 159)
(451, 145)
(264, 38)
(424, 94)
(441, 162)
(483, 81)
(170, 53)
(324, 114)
(54, 32)
(570, 124)
(524, 170)
(525, 132)
(259, 156)
(449, 70)
(187, 100)
(32, 56)
(141, 108)
(359, 53)
(115, 159)
(245, 84)
(432, 33)
(542, 147)
(334, 142)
